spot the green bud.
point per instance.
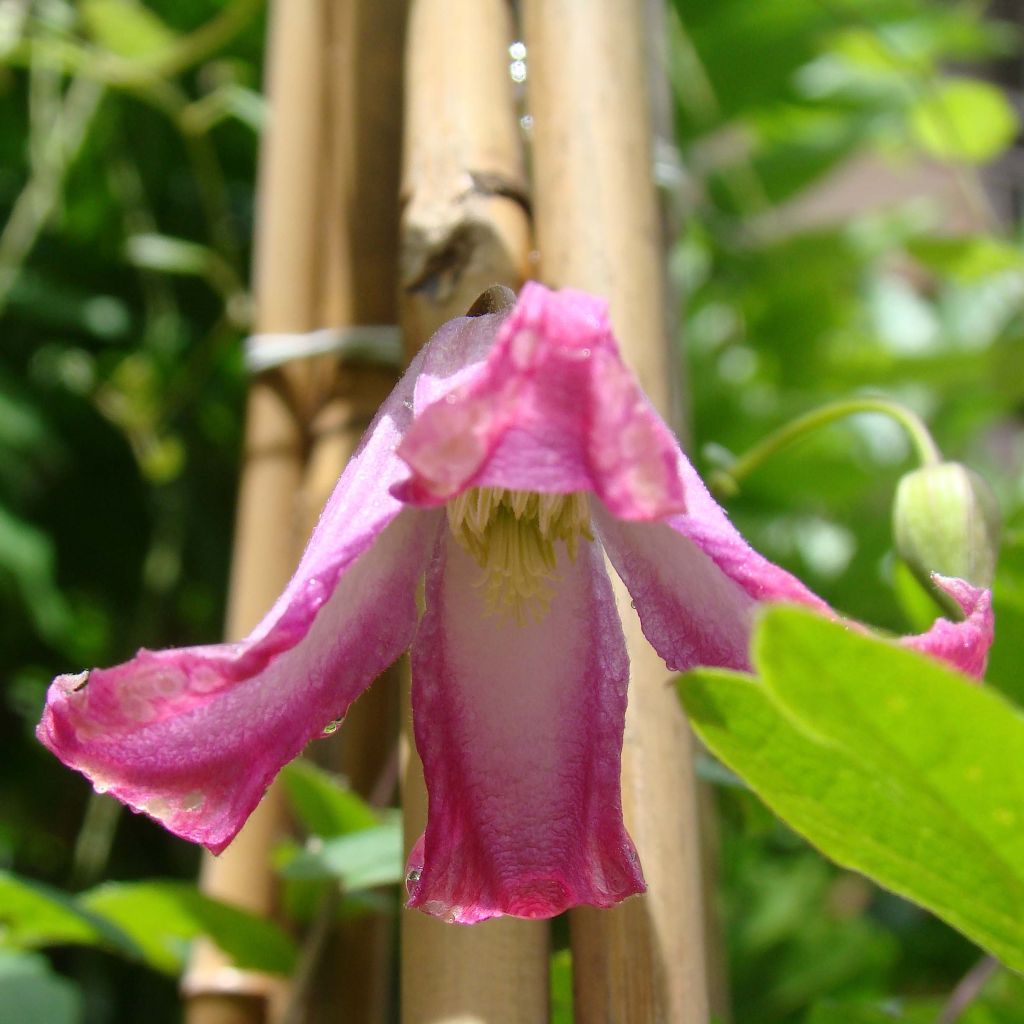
(946, 520)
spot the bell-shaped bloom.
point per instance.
(515, 459)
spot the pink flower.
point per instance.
(513, 456)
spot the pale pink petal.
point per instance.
(696, 585)
(690, 611)
(194, 736)
(551, 409)
(520, 732)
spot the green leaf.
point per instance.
(360, 860)
(163, 917)
(33, 914)
(148, 921)
(963, 120)
(323, 803)
(127, 28)
(886, 760)
(31, 993)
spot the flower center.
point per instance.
(512, 535)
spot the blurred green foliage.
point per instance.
(120, 397)
(807, 267)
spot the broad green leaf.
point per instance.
(890, 763)
(942, 736)
(359, 860)
(163, 917)
(31, 993)
(963, 120)
(127, 28)
(323, 803)
(33, 914)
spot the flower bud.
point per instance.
(946, 520)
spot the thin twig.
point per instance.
(74, 58)
(313, 948)
(38, 199)
(969, 988)
(94, 841)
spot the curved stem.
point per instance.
(727, 481)
(968, 989)
(39, 198)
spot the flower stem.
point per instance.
(726, 482)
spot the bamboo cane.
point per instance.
(464, 223)
(358, 287)
(464, 228)
(671, 180)
(598, 229)
(267, 536)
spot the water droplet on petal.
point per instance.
(99, 788)
(316, 590)
(412, 878)
(333, 726)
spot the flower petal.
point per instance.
(193, 737)
(552, 409)
(964, 644)
(691, 612)
(520, 732)
(696, 584)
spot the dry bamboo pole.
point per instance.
(267, 539)
(672, 182)
(358, 270)
(464, 228)
(598, 229)
(464, 220)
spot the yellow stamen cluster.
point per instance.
(512, 535)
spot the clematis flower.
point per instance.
(514, 456)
